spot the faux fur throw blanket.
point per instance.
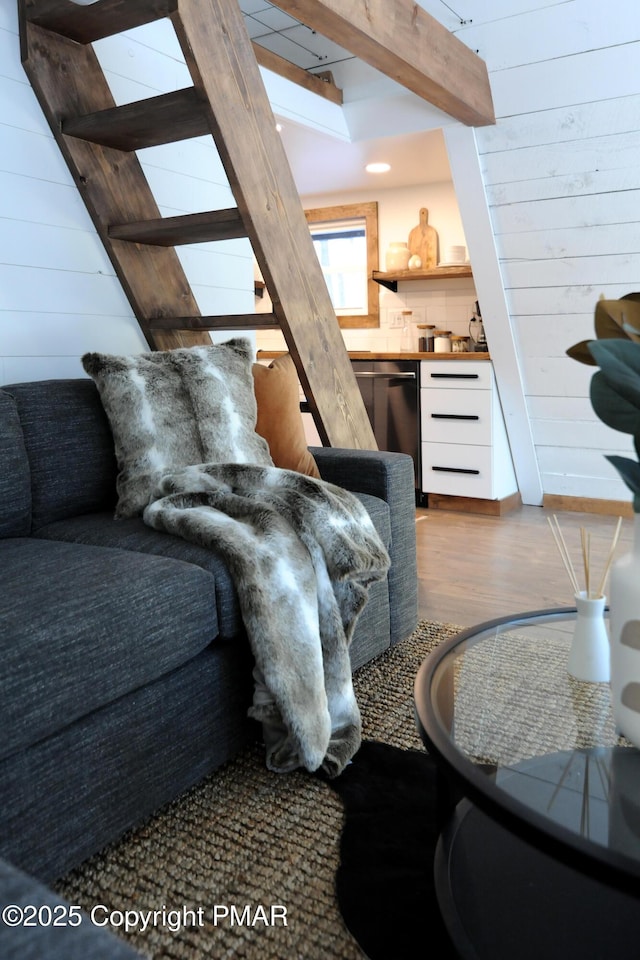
(302, 553)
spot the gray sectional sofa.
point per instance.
(125, 672)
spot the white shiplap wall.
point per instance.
(562, 177)
(59, 296)
(560, 171)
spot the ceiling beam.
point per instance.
(407, 44)
(310, 81)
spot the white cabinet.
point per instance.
(465, 451)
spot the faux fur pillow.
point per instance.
(175, 408)
(279, 418)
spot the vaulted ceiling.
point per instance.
(290, 39)
(323, 163)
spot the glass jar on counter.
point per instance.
(442, 341)
(425, 337)
(459, 344)
(406, 336)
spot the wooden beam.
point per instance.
(84, 24)
(167, 118)
(256, 165)
(323, 88)
(186, 228)
(68, 81)
(230, 321)
(404, 42)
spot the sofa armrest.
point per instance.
(389, 476)
(79, 939)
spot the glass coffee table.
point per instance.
(539, 851)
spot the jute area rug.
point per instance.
(246, 836)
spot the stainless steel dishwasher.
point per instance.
(391, 393)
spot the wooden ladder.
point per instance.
(227, 100)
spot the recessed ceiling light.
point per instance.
(378, 167)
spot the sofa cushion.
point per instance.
(102, 530)
(174, 408)
(15, 481)
(69, 446)
(80, 626)
(133, 534)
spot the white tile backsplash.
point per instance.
(448, 304)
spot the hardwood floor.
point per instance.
(474, 568)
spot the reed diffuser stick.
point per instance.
(586, 550)
(612, 548)
(564, 553)
(585, 542)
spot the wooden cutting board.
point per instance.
(423, 241)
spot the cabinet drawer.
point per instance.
(456, 416)
(472, 374)
(458, 470)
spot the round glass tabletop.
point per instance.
(530, 744)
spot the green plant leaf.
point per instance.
(629, 470)
(613, 409)
(619, 362)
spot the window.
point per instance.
(345, 239)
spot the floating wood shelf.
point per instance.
(390, 280)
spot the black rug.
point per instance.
(384, 884)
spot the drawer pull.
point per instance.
(454, 376)
(371, 375)
(454, 470)
(454, 416)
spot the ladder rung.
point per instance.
(232, 321)
(145, 123)
(102, 19)
(190, 228)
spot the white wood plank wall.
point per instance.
(59, 296)
(562, 176)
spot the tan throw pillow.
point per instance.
(175, 408)
(279, 418)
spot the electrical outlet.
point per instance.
(395, 320)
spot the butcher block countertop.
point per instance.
(370, 355)
(375, 355)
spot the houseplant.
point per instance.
(615, 398)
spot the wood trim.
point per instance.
(315, 84)
(613, 508)
(357, 211)
(488, 508)
(404, 42)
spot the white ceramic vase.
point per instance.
(624, 591)
(397, 257)
(589, 655)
